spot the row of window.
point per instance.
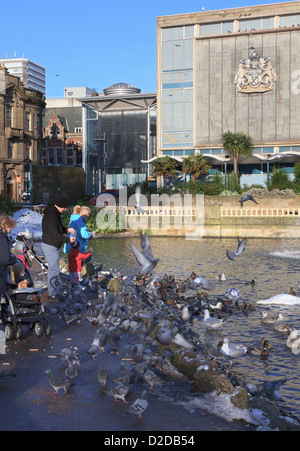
(11, 150)
(241, 24)
(54, 156)
(29, 119)
(219, 151)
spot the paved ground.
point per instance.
(28, 403)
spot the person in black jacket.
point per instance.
(6, 258)
(53, 238)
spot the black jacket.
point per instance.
(53, 230)
(6, 259)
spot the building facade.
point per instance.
(119, 131)
(21, 112)
(62, 128)
(234, 70)
(31, 74)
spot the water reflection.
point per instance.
(271, 263)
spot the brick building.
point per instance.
(21, 112)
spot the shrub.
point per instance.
(7, 207)
(280, 180)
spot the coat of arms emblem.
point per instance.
(255, 74)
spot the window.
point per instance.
(8, 116)
(10, 149)
(78, 129)
(27, 150)
(28, 121)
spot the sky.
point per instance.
(93, 43)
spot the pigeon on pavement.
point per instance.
(58, 382)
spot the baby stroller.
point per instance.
(23, 306)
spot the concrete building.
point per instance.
(21, 112)
(31, 74)
(232, 70)
(119, 131)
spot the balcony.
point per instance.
(14, 133)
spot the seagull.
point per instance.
(232, 350)
(293, 340)
(147, 264)
(211, 322)
(240, 249)
(58, 382)
(246, 197)
(139, 406)
(138, 192)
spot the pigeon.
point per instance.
(181, 341)
(152, 379)
(202, 282)
(4, 376)
(102, 376)
(75, 359)
(271, 389)
(138, 208)
(212, 322)
(139, 406)
(147, 265)
(232, 350)
(246, 197)
(94, 347)
(241, 247)
(119, 392)
(65, 355)
(71, 372)
(57, 382)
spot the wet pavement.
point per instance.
(28, 402)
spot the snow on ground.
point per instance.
(28, 221)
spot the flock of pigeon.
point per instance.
(157, 313)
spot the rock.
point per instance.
(275, 416)
(208, 379)
(186, 362)
(240, 398)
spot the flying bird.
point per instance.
(147, 261)
(138, 193)
(240, 249)
(246, 197)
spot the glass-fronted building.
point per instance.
(231, 70)
(119, 132)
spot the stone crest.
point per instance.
(255, 74)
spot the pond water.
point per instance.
(273, 264)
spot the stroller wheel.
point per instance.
(18, 332)
(9, 331)
(38, 329)
(48, 328)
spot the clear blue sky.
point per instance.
(93, 43)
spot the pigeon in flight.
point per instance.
(138, 207)
(145, 258)
(240, 249)
(246, 197)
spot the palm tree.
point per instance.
(237, 144)
(165, 167)
(195, 165)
